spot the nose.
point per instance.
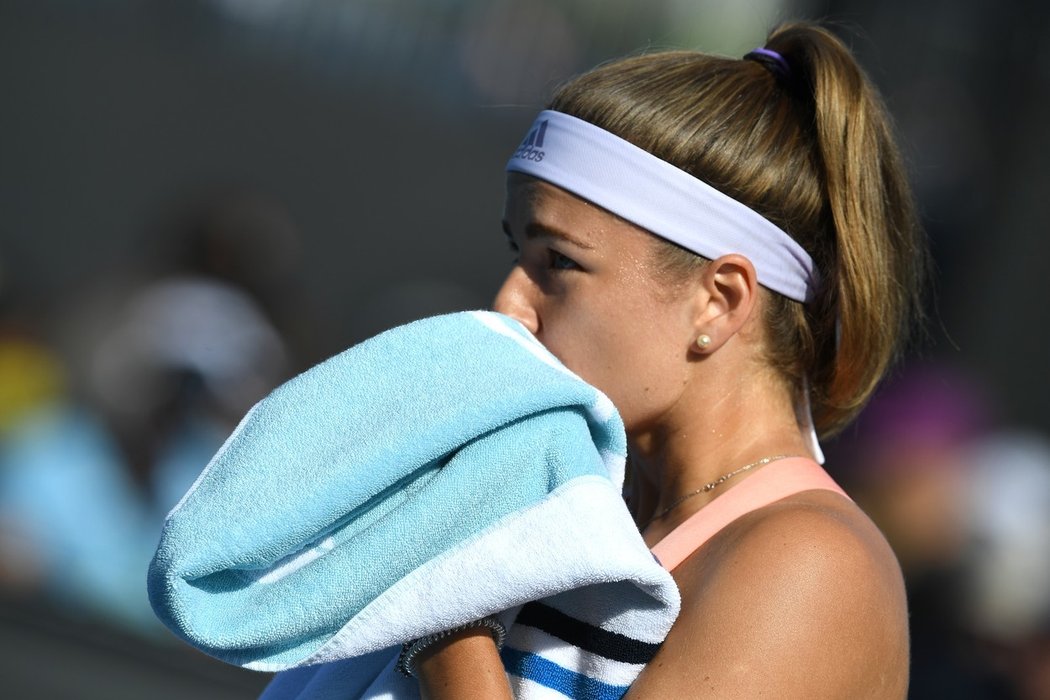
(515, 300)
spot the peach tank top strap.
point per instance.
(773, 482)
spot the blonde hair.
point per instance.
(813, 151)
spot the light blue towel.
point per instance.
(442, 471)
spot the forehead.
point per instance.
(526, 193)
(530, 200)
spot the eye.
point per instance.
(561, 262)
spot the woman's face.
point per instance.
(586, 285)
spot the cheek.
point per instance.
(582, 337)
(628, 364)
(644, 369)
(578, 343)
(620, 339)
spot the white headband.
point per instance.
(667, 201)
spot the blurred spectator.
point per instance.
(907, 462)
(965, 503)
(1006, 568)
(31, 378)
(160, 370)
(249, 242)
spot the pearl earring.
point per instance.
(703, 341)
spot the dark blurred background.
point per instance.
(200, 198)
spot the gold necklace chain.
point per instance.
(712, 485)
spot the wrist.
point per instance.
(411, 652)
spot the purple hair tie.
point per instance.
(770, 59)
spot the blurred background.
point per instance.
(200, 198)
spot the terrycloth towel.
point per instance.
(437, 473)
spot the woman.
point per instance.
(721, 318)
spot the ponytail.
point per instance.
(871, 248)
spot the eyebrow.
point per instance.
(534, 230)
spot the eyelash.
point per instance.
(557, 262)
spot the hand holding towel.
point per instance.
(437, 473)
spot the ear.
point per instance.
(725, 298)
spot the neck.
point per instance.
(710, 433)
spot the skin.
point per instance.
(800, 599)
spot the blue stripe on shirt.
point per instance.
(549, 674)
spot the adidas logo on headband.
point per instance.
(530, 147)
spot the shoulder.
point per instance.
(816, 550)
(817, 537)
(802, 598)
